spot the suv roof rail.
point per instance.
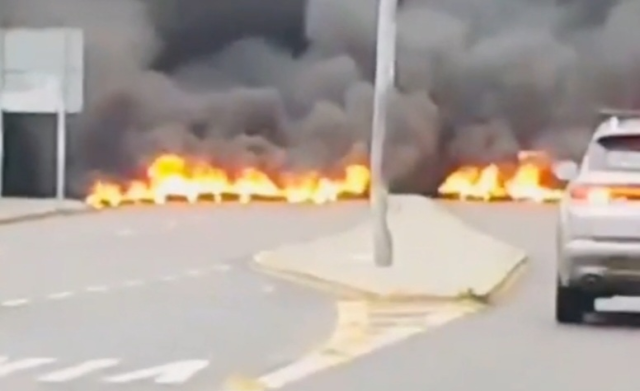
(623, 114)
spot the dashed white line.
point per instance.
(97, 288)
(268, 289)
(60, 295)
(130, 283)
(77, 371)
(174, 373)
(221, 268)
(125, 232)
(8, 368)
(14, 303)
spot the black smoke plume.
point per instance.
(288, 83)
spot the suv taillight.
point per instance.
(602, 194)
(590, 194)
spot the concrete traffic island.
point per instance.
(436, 256)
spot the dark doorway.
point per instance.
(29, 155)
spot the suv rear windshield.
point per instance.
(620, 152)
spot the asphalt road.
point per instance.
(132, 298)
(515, 346)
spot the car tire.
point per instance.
(572, 304)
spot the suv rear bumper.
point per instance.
(605, 268)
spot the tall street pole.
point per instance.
(384, 84)
(61, 141)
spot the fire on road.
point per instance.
(529, 179)
(173, 176)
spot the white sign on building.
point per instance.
(34, 63)
(42, 72)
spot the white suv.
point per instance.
(598, 236)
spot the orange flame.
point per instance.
(172, 176)
(529, 181)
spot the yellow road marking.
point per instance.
(355, 335)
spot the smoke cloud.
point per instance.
(287, 84)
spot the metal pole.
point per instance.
(2, 154)
(384, 84)
(2, 119)
(61, 150)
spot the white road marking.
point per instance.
(15, 303)
(97, 288)
(133, 283)
(77, 371)
(169, 278)
(221, 268)
(299, 370)
(174, 373)
(60, 295)
(125, 232)
(7, 368)
(268, 289)
(322, 361)
(194, 272)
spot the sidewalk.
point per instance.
(23, 209)
(436, 256)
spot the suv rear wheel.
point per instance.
(572, 304)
